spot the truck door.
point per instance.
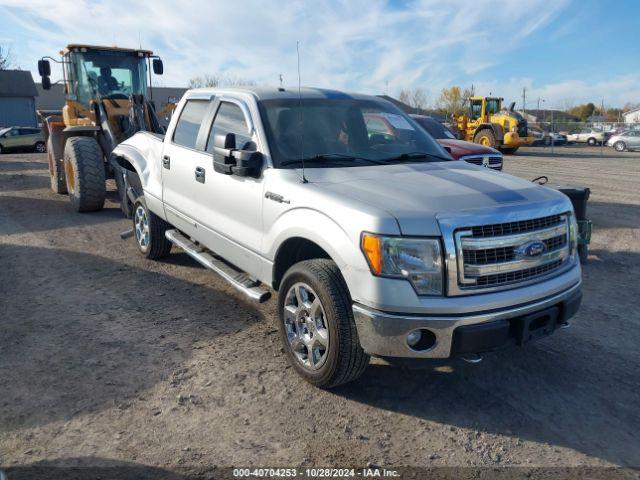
(180, 159)
(226, 210)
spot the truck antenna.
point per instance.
(304, 178)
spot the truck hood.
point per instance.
(417, 194)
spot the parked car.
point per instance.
(554, 138)
(22, 138)
(628, 140)
(374, 247)
(591, 136)
(460, 149)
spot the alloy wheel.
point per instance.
(141, 225)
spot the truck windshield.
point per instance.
(344, 132)
(108, 74)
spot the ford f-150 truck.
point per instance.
(376, 248)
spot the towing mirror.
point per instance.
(158, 67)
(223, 145)
(44, 68)
(46, 83)
(247, 163)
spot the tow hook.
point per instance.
(472, 358)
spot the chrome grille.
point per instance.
(491, 161)
(515, 227)
(500, 254)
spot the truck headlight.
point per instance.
(573, 233)
(418, 260)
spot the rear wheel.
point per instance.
(84, 173)
(485, 137)
(317, 326)
(591, 142)
(620, 146)
(56, 172)
(149, 231)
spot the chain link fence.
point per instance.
(552, 133)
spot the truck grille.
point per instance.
(493, 162)
(508, 253)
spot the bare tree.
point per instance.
(6, 58)
(218, 81)
(414, 97)
(405, 96)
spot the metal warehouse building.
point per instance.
(17, 99)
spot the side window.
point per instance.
(476, 109)
(12, 133)
(230, 119)
(186, 131)
(376, 125)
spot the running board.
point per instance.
(238, 279)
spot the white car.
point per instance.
(591, 136)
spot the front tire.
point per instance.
(149, 231)
(620, 146)
(486, 138)
(40, 147)
(84, 173)
(317, 326)
(591, 142)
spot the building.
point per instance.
(54, 99)
(17, 99)
(632, 116)
(540, 116)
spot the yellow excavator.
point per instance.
(487, 123)
(107, 100)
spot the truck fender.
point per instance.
(314, 226)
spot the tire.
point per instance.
(620, 146)
(343, 360)
(40, 147)
(1, 151)
(591, 142)
(509, 150)
(149, 231)
(485, 137)
(84, 174)
(56, 172)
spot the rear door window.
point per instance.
(186, 132)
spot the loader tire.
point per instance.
(56, 172)
(486, 138)
(84, 173)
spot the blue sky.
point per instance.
(566, 51)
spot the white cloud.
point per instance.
(356, 45)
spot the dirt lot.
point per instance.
(110, 360)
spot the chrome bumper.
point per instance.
(384, 334)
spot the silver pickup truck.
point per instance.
(376, 246)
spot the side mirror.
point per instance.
(223, 145)
(158, 67)
(46, 83)
(44, 68)
(248, 163)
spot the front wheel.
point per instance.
(591, 142)
(486, 138)
(620, 146)
(317, 325)
(84, 173)
(149, 230)
(40, 147)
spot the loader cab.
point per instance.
(94, 74)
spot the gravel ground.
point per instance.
(160, 368)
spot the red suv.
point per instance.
(460, 149)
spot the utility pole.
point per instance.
(524, 100)
(281, 79)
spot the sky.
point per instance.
(564, 52)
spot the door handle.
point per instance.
(200, 174)
(166, 161)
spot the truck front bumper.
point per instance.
(386, 334)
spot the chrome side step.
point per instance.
(240, 280)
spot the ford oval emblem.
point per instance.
(531, 249)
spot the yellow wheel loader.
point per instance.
(107, 101)
(488, 124)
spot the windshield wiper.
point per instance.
(329, 158)
(407, 157)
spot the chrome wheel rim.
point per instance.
(306, 326)
(141, 225)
